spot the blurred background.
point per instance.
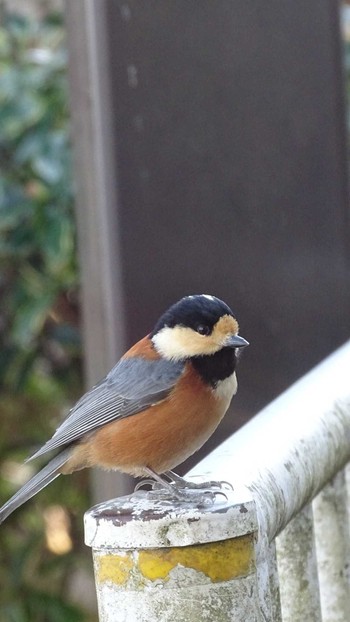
(149, 151)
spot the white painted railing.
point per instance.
(157, 561)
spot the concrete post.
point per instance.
(159, 561)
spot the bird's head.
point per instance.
(195, 326)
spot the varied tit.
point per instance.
(157, 406)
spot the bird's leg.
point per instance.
(180, 482)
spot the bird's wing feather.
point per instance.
(134, 384)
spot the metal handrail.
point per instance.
(288, 452)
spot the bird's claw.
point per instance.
(221, 485)
(207, 497)
(145, 482)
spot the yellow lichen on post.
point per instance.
(114, 567)
(220, 561)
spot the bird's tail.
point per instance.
(35, 484)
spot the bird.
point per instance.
(156, 407)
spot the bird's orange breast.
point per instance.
(160, 437)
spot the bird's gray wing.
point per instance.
(133, 385)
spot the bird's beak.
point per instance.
(236, 341)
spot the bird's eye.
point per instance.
(202, 329)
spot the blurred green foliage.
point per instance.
(40, 356)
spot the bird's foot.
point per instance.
(201, 495)
(199, 498)
(211, 484)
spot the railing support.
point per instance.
(155, 561)
(297, 565)
(332, 532)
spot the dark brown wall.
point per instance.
(230, 142)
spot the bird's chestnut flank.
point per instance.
(158, 405)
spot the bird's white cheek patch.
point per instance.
(226, 389)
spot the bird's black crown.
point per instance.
(193, 311)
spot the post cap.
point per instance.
(141, 521)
